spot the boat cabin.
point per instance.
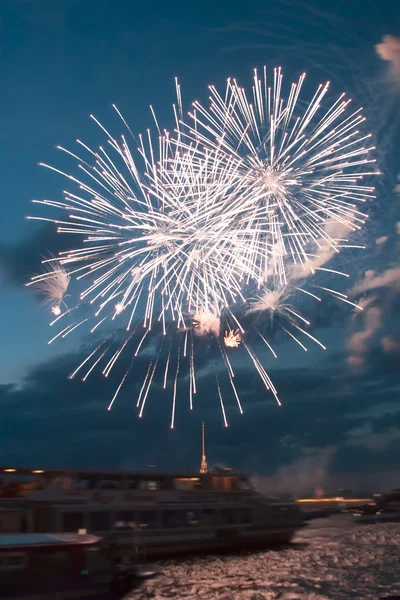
(35, 500)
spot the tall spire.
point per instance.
(203, 467)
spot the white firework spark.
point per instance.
(248, 197)
(51, 284)
(232, 338)
(206, 322)
(269, 300)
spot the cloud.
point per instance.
(358, 343)
(65, 423)
(19, 261)
(376, 441)
(377, 411)
(372, 281)
(355, 361)
(390, 344)
(382, 240)
(389, 49)
(325, 252)
(378, 313)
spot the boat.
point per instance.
(387, 515)
(148, 514)
(366, 514)
(384, 508)
(63, 565)
(389, 507)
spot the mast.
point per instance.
(203, 466)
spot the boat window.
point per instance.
(43, 519)
(73, 521)
(14, 561)
(124, 519)
(131, 484)
(167, 483)
(148, 518)
(244, 515)
(228, 516)
(209, 517)
(100, 521)
(125, 515)
(86, 482)
(191, 518)
(217, 483)
(66, 482)
(226, 484)
(186, 483)
(149, 485)
(170, 518)
(12, 521)
(110, 482)
(107, 484)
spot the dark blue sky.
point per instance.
(61, 60)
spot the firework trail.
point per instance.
(191, 234)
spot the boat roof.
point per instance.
(23, 540)
(26, 471)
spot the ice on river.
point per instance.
(330, 559)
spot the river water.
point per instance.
(329, 559)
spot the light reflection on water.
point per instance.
(330, 559)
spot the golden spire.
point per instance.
(203, 467)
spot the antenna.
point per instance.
(203, 466)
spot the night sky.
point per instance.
(62, 60)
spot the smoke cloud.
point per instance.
(359, 342)
(389, 49)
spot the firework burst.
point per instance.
(189, 235)
(232, 339)
(297, 171)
